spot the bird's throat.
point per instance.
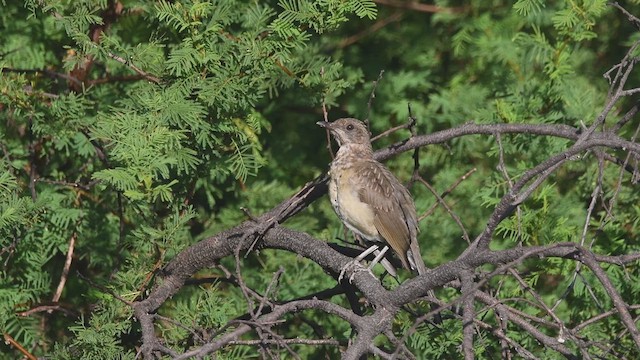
(354, 153)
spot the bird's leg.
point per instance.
(366, 253)
(356, 262)
(386, 264)
(383, 261)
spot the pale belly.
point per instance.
(355, 214)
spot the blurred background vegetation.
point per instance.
(133, 129)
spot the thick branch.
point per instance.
(269, 234)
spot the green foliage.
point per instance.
(98, 337)
(318, 15)
(138, 131)
(535, 62)
(97, 150)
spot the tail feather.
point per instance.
(415, 260)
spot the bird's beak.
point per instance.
(324, 124)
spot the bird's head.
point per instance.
(347, 131)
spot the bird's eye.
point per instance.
(349, 127)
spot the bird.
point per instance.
(369, 199)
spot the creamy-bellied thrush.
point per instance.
(369, 199)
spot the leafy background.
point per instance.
(137, 128)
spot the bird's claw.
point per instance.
(353, 267)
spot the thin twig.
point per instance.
(105, 290)
(630, 16)
(325, 116)
(446, 193)
(372, 96)
(454, 216)
(599, 317)
(589, 260)
(505, 174)
(47, 72)
(11, 341)
(406, 125)
(146, 75)
(50, 308)
(65, 268)
(397, 16)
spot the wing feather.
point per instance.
(394, 211)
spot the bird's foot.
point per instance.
(353, 267)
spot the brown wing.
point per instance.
(394, 211)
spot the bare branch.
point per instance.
(468, 314)
(528, 328)
(589, 260)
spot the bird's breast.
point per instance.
(355, 214)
